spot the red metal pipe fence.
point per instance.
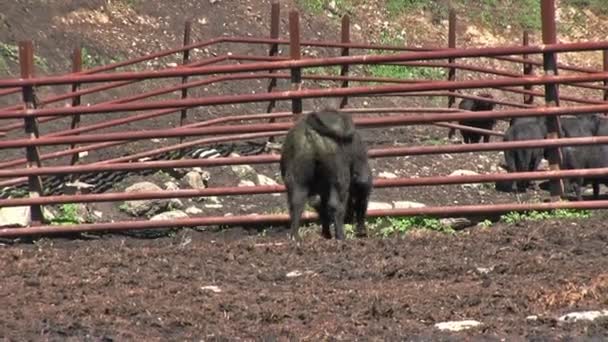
(267, 67)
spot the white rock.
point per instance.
(169, 215)
(293, 274)
(170, 65)
(193, 210)
(171, 186)
(194, 180)
(296, 273)
(98, 215)
(387, 175)
(265, 180)
(213, 199)
(483, 270)
(77, 187)
(379, 206)
(407, 205)
(242, 170)
(15, 217)
(83, 154)
(214, 206)
(464, 173)
(457, 325)
(211, 288)
(532, 318)
(583, 316)
(245, 182)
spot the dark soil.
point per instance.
(118, 288)
(114, 287)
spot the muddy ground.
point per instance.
(114, 287)
(234, 284)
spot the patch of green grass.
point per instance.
(524, 14)
(516, 217)
(10, 53)
(597, 6)
(68, 214)
(401, 71)
(332, 70)
(485, 224)
(435, 141)
(91, 60)
(388, 226)
(318, 6)
(406, 72)
(395, 7)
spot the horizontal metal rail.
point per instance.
(199, 142)
(270, 158)
(300, 94)
(365, 122)
(254, 219)
(269, 189)
(307, 62)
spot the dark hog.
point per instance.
(526, 159)
(477, 106)
(582, 125)
(585, 157)
(323, 155)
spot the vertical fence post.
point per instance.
(185, 61)
(528, 71)
(345, 52)
(76, 67)
(275, 16)
(294, 53)
(26, 61)
(605, 53)
(451, 70)
(551, 93)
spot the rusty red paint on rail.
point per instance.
(268, 219)
(309, 62)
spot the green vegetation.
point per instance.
(388, 226)
(10, 54)
(597, 6)
(68, 214)
(516, 217)
(401, 71)
(318, 6)
(485, 224)
(91, 60)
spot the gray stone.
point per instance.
(15, 217)
(456, 222)
(144, 207)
